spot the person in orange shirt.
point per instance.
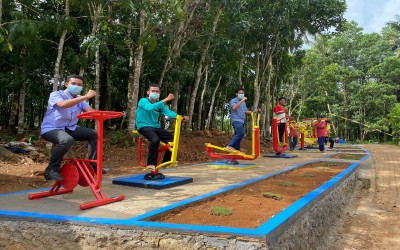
(293, 134)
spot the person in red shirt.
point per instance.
(320, 125)
(280, 114)
(293, 134)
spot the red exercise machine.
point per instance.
(79, 171)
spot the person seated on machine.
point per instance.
(147, 114)
(60, 127)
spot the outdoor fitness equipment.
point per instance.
(155, 179)
(231, 156)
(302, 129)
(278, 146)
(79, 171)
(309, 134)
(171, 146)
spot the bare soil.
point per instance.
(249, 207)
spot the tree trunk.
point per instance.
(95, 28)
(200, 67)
(330, 112)
(201, 104)
(1, 11)
(175, 47)
(268, 100)
(133, 89)
(21, 109)
(14, 111)
(256, 79)
(175, 103)
(56, 78)
(241, 63)
(210, 111)
(97, 78)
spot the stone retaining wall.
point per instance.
(309, 229)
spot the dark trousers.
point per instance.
(281, 131)
(293, 142)
(321, 143)
(64, 141)
(331, 142)
(155, 135)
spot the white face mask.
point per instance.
(240, 96)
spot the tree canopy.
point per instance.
(201, 50)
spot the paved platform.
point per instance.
(141, 200)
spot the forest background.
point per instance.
(202, 50)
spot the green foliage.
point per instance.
(394, 120)
(272, 195)
(221, 211)
(117, 136)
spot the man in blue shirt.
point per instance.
(147, 114)
(238, 118)
(60, 127)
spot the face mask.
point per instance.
(74, 89)
(154, 96)
(240, 96)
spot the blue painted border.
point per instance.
(138, 221)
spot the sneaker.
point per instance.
(230, 148)
(52, 175)
(151, 167)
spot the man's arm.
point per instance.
(237, 105)
(71, 102)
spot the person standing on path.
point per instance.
(238, 111)
(320, 125)
(293, 134)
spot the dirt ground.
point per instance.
(285, 188)
(373, 221)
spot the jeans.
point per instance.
(281, 131)
(64, 141)
(293, 142)
(321, 143)
(155, 135)
(239, 134)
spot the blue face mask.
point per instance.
(74, 89)
(154, 96)
(240, 96)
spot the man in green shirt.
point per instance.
(147, 114)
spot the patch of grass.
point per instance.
(352, 157)
(322, 168)
(272, 195)
(286, 184)
(221, 211)
(332, 164)
(308, 175)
